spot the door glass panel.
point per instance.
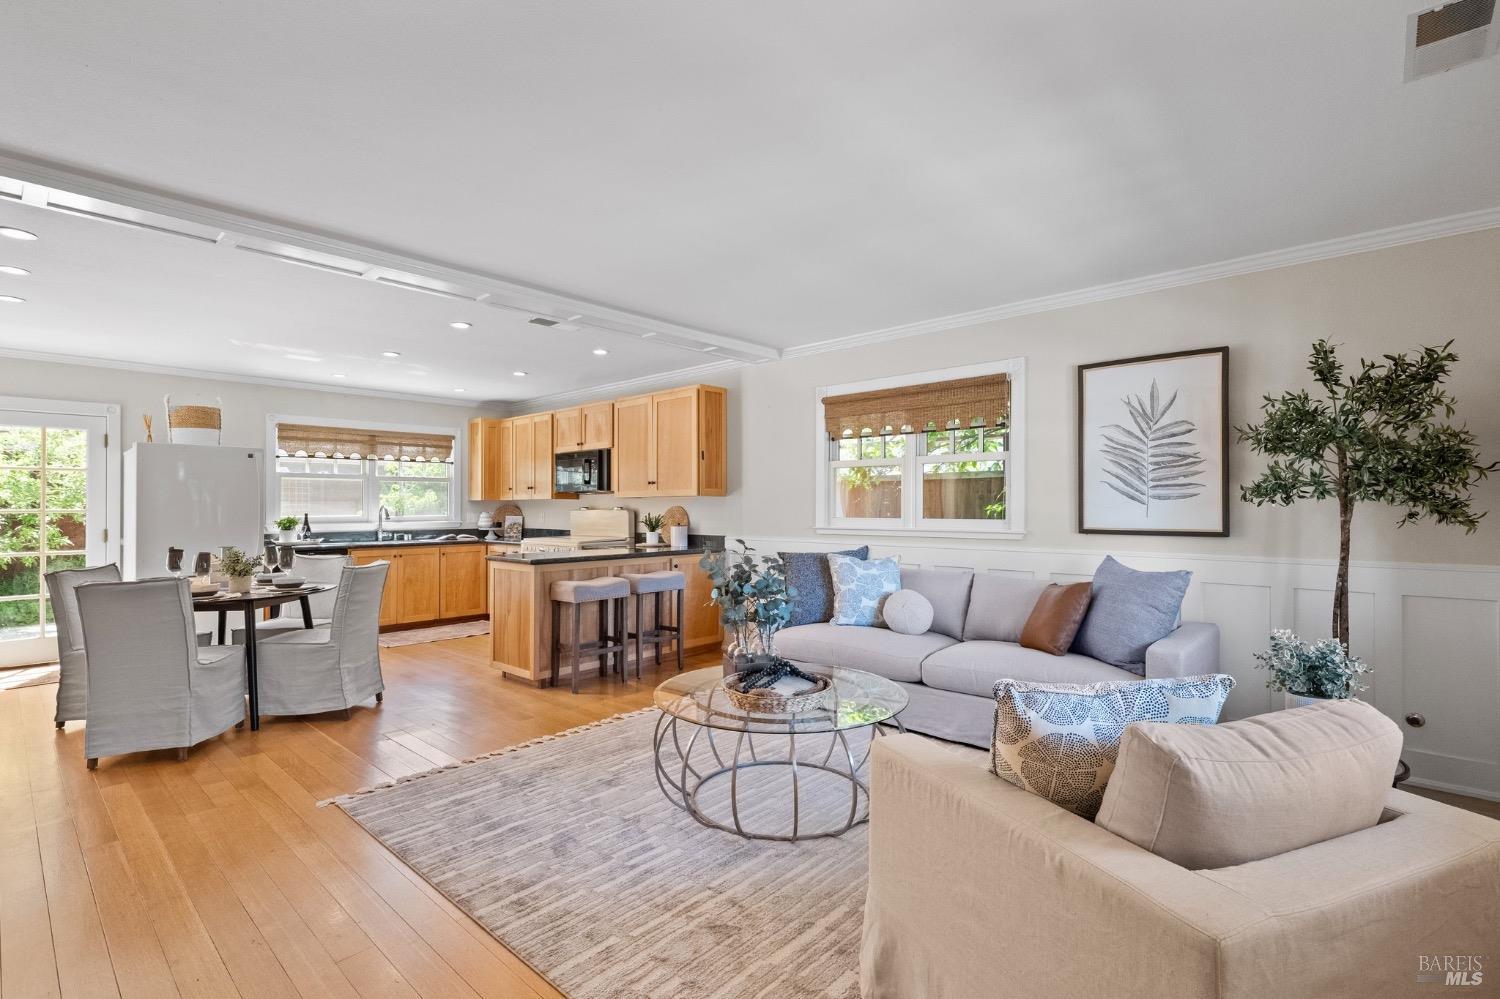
(21, 446)
(20, 618)
(65, 531)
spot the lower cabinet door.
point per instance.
(420, 573)
(462, 582)
(390, 600)
(702, 627)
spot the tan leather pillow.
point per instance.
(1056, 616)
(1211, 796)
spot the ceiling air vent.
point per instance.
(542, 321)
(1449, 35)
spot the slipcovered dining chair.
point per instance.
(315, 569)
(329, 668)
(151, 686)
(72, 662)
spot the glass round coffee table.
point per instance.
(696, 711)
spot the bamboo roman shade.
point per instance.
(303, 440)
(965, 402)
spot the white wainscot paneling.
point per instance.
(1432, 633)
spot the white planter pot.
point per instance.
(240, 584)
(653, 537)
(287, 535)
(679, 537)
(1302, 701)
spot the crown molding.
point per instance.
(488, 289)
(115, 364)
(1415, 232)
(628, 386)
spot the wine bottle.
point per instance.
(306, 528)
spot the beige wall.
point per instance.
(245, 405)
(1387, 300)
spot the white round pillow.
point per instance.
(907, 612)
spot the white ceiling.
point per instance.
(784, 173)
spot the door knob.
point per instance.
(1416, 720)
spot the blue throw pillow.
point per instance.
(860, 588)
(807, 573)
(1129, 611)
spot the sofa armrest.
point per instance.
(978, 888)
(1191, 650)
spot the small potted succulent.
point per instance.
(1309, 672)
(238, 569)
(652, 522)
(287, 526)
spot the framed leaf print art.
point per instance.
(1153, 444)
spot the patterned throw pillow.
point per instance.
(1059, 740)
(860, 587)
(807, 573)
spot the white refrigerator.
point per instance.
(193, 497)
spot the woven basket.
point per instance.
(194, 418)
(769, 702)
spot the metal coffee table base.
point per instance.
(682, 782)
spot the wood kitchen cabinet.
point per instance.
(672, 443)
(429, 583)
(702, 627)
(586, 428)
(531, 457)
(491, 462)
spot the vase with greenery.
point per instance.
(1378, 435)
(238, 568)
(652, 522)
(1308, 671)
(754, 602)
(288, 528)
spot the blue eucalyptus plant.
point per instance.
(1316, 669)
(754, 598)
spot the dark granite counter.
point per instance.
(597, 555)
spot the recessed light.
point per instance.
(12, 299)
(6, 230)
(13, 271)
(302, 357)
(519, 374)
(390, 353)
(460, 390)
(600, 351)
(337, 375)
(461, 326)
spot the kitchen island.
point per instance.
(521, 605)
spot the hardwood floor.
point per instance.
(220, 876)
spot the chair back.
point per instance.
(62, 586)
(141, 643)
(321, 569)
(356, 612)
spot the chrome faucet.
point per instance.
(380, 523)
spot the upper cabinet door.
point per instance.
(674, 419)
(489, 444)
(541, 455)
(523, 450)
(634, 445)
(567, 431)
(505, 444)
(598, 421)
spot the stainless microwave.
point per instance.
(583, 472)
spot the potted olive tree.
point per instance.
(1378, 435)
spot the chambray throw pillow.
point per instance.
(860, 587)
(1129, 611)
(808, 574)
(1060, 740)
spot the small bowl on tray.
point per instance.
(289, 582)
(765, 700)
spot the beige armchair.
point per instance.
(978, 888)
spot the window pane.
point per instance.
(67, 490)
(20, 489)
(871, 447)
(67, 448)
(20, 445)
(18, 532)
(848, 448)
(964, 490)
(895, 446)
(347, 467)
(415, 498)
(416, 470)
(65, 531)
(20, 619)
(322, 496)
(996, 440)
(55, 562)
(20, 576)
(869, 492)
(967, 441)
(939, 442)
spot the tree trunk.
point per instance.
(1341, 584)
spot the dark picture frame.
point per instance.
(1130, 477)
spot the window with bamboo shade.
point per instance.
(343, 475)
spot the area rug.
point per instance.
(566, 851)
(27, 676)
(437, 633)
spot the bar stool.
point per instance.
(611, 593)
(656, 585)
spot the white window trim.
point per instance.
(1013, 527)
(456, 492)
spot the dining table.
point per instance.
(250, 603)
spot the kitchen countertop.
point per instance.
(595, 555)
(323, 546)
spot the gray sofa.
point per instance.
(949, 673)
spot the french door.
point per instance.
(55, 502)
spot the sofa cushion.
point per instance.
(807, 573)
(1130, 610)
(948, 592)
(1060, 740)
(974, 668)
(875, 650)
(907, 612)
(1215, 797)
(998, 607)
(1056, 617)
(860, 587)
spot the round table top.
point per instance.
(259, 596)
(856, 700)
